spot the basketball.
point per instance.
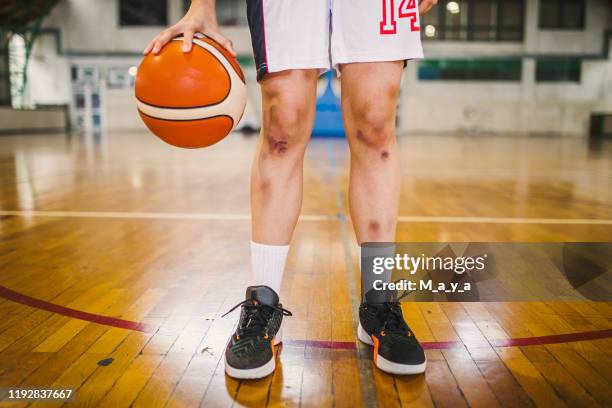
(192, 99)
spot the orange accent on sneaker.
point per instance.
(375, 341)
(273, 349)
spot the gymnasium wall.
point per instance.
(425, 106)
(26, 121)
(525, 106)
(522, 107)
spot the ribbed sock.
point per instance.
(268, 264)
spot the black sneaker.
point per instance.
(396, 349)
(250, 352)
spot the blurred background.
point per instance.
(506, 66)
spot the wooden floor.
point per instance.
(119, 254)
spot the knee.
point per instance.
(282, 132)
(375, 128)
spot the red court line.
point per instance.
(77, 314)
(327, 344)
(350, 345)
(440, 345)
(553, 339)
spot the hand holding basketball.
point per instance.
(200, 18)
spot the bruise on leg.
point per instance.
(264, 185)
(275, 140)
(378, 139)
(363, 139)
(277, 146)
(374, 227)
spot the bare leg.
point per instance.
(288, 100)
(369, 101)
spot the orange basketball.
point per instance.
(191, 99)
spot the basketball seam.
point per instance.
(182, 107)
(187, 120)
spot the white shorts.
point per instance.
(301, 34)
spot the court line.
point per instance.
(303, 217)
(149, 215)
(440, 345)
(26, 300)
(504, 220)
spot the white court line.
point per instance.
(305, 217)
(151, 215)
(505, 220)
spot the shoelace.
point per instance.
(391, 313)
(256, 316)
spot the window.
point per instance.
(478, 69)
(511, 21)
(5, 78)
(143, 13)
(475, 20)
(562, 14)
(484, 20)
(229, 12)
(558, 70)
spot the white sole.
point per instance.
(258, 372)
(389, 366)
(251, 374)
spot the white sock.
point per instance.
(268, 264)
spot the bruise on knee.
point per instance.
(376, 139)
(277, 145)
(369, 141)
(361, 137)
(280, 132)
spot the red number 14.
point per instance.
(407, 9)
